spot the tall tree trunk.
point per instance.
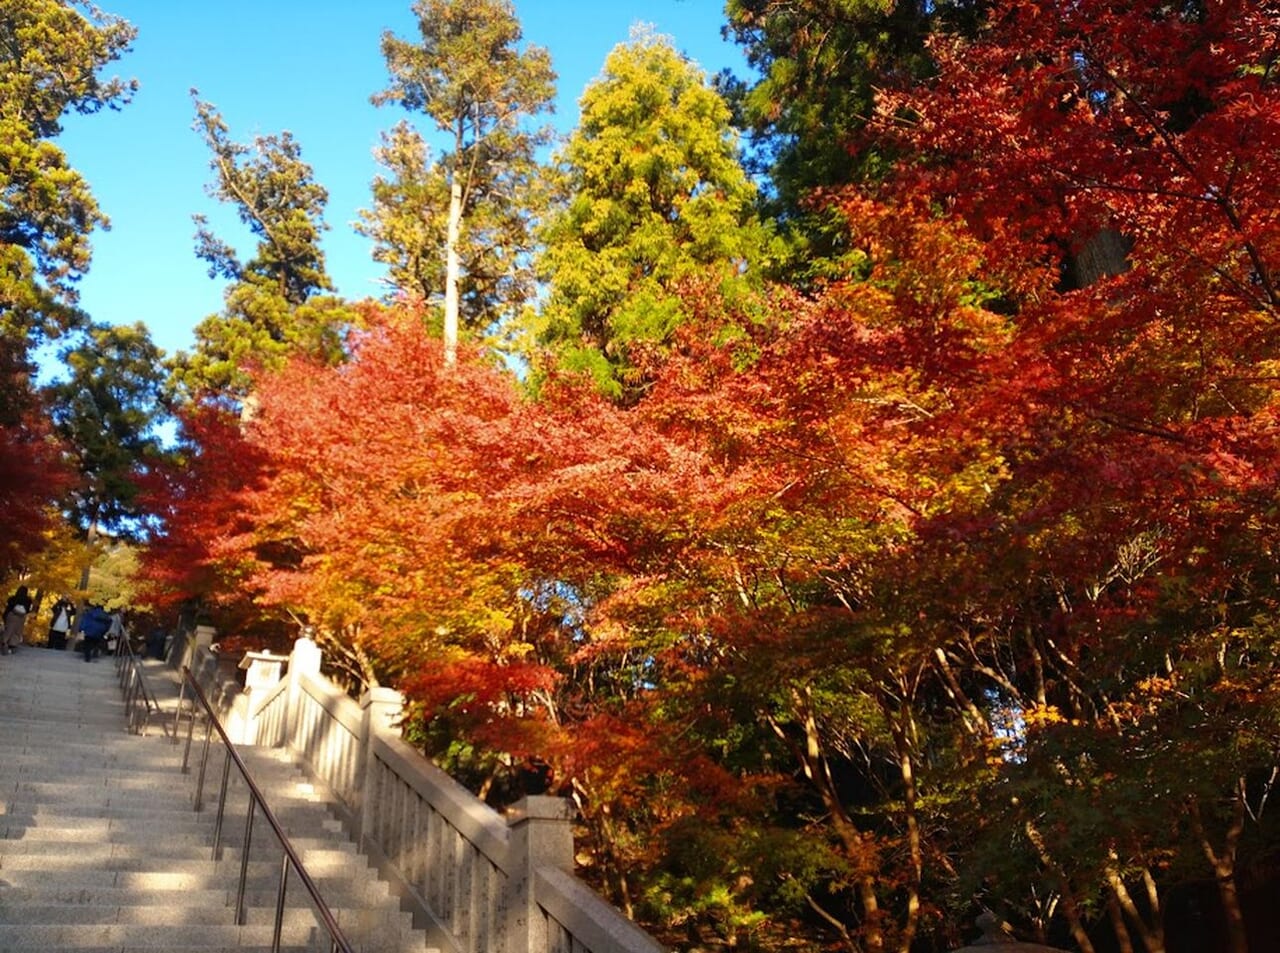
(906, 769)
(603, 836)
(1070, 908)
(1103, 254)
(1037, 664)
(452, 269)
(971, 716)
(859, 846)
(90, 542)
(1124, 942)
(1223, 863)
(1149, 928)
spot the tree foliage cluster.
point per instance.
(52, 56)
(945, 584)
(935, 574)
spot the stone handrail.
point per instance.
(476, 879)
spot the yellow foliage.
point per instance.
(1042, 716)
(1156, 686)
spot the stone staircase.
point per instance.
(100, 849)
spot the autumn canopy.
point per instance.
(891, 544)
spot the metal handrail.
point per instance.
(289, 858)
(139, 700)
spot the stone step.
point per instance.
(264, 848)
(299, 924)
(182, 830)
(53, 709)
(53, 764)
(220, 913)
(359, 926)
(111, 858)
(100, 848)
(62, 893)
(115, 948)
(340, 890)
(313, 947)
(70, 796)
(77, 730)
(175, 823)
(21, 937)
(109, 832)
(147, 754)
(300, 933)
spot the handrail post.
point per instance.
(132, 678)
(280, 895)
(222, 809)
(186, 752)
(204, 760)
(541, 836)
(244, 859)
(337, 941)
(133, 686)
(177, 715)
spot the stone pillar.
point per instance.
(204, 636)
(541, 836)
(379, 710)
(304, 660)
(192, 642)
(261, 674)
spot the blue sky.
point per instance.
(309, 67)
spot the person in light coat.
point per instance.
(62, 622)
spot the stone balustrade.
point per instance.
(478, 880)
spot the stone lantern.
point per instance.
(996, 939)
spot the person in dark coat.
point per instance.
(156, 642)
(15, 619)
(93, 626)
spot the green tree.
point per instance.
(51, 57)
(409, 224)
(107, 410)
(819, 64)
(408, 221)
(51, 54)
(278, 302)
(469, 76)
(655, 194)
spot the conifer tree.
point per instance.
(819, 64)
(107, 410)
(279, 302)
(480, 89)
(654, 194)
(51, 54)
(410, 213)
